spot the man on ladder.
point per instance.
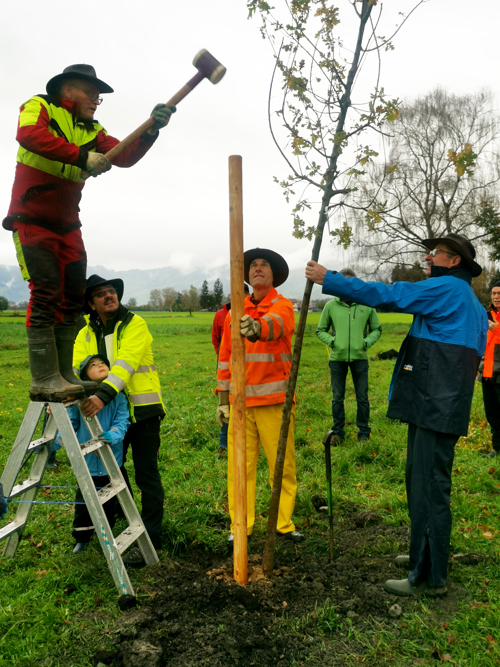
(59, 139)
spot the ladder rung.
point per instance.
(128, 537)
(11, 528)
(23, 487)
(110, 491)
(91, 445)
(38, 444)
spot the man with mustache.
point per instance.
(114, 332)
(58, 140)
(431, 389)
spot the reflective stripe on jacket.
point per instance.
(53, 149)
(132, 366)
(491, 367)
(267, 361)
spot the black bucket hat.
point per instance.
(96, 281)
(277, 263)
(85, 72)
(86, 362)
(462, 246)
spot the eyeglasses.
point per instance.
(436, 250)
(103, 292)
(93, 97)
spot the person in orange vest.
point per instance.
(491, 372)
(217, 331)
(268, 325)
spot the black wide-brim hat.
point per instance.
(277, 263)
(96, 281)
(462, 246)
(85, 72)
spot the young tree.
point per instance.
(155, 300)
(131, 303)
(169, 295)
(4, 303)
(218, 294)
(324, 127)
(442, 161)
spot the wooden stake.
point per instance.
(238, 370)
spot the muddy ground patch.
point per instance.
(304, 615)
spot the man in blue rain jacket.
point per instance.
(431, 389)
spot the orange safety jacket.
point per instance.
(267, 361)
(491, 366)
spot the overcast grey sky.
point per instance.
(172, 208)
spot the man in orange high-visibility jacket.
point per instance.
(491, 372)
(268, 325)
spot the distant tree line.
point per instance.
(192, 299)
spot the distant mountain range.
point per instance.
(140, 282)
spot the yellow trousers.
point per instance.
(263, 426)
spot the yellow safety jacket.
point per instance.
(132, 369)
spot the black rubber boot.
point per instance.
(65, 342)
(47, 384)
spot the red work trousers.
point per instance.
(55, 266)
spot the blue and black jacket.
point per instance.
(433, 380)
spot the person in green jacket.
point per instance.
(355, 328)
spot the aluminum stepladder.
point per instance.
(26, 490)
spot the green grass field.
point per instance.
(56, 609)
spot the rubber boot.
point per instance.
(65, 342)
(47, 384)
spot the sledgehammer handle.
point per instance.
(180, 95)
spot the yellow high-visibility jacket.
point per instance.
(128, 348)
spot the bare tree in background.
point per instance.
(155, 300)
(169, 296)
(442, 160)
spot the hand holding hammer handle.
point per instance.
(208, 68)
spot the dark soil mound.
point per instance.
(199, 616)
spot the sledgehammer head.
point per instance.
(209, 66)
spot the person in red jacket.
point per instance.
(217, 331)
(268, 325)
(491, 372)
(58, 140)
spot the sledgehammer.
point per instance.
(208, 68)
(328, 441)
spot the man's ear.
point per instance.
(456, 260)
(91, 305)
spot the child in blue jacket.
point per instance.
(115, 420)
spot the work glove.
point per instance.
(3, 502)
(223, 410)
(161, 115)
(97, 164)
(250, 328)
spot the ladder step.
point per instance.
(38, 444)
(11, 528)
(128, 537)
(91, 445)
(110, 491)
(23, 487)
